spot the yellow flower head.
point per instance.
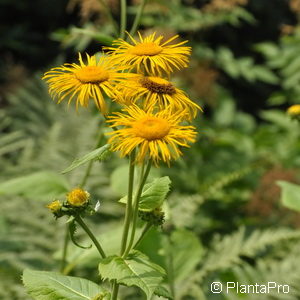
(78, 197)
(150, 54)
(55, 206)
(156, 92)
(157, 136)
(294, 110)
(84, 81)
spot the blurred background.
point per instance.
(224, 217)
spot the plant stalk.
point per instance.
(143, 179)
(115, 290)
(82, 184)
(145, 231)
(123, 18)
(128, 212)
(137, 18)
(91, 235)
(65, 250)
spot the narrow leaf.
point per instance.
(99, 153)
(135, 270)
(54, 286)
(72, 231)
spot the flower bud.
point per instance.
(294, 111)
(55, 206)
(78, 197)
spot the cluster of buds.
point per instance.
(294, 111)
(156, 217)
(77, 202)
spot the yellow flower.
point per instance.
(157, 92)
(150, 54)
(55, 206)
(78, 197)
(157, 136)
(294, 110)
(85, 81)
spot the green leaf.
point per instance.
(154, 194)
(39, 185)
(186, 251)
(43, 285)
(161, 291)
(99, 153)
(135, 270)
(290, 195)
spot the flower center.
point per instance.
(92, 74)
(151, 128)
(158, 85)
(148, 49)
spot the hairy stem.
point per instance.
(143, 179)
(91, 235)
(128, 212)
(115, 290)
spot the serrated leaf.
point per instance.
(290, 195)
(186, 255)
(98, 153)
(39, 185)
(135, 270)
(43, 285)
(153, 194)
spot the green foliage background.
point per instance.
(224, 219)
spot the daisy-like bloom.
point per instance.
(78, 197)
(55, 206)
(84, 81)
(150, 54)
(294, 110)
(153, 91)
(156, 136)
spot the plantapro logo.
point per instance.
(235, 287)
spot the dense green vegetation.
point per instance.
(224, 218)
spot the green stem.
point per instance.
(136, 207)
(145, 231)
(65, 249)
(137, 18)
(123, 19)
(128, 212)
(109, 15)
(91, 235)
(115, 290)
